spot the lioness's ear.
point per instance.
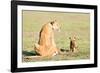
(75, 37)
(55, 20)
(36, 45)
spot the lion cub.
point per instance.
(73, 44)
(46, 45)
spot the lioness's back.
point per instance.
(45, 33)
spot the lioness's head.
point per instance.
(55, 25)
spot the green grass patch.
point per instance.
(72, 24)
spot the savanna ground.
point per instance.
(77, 24)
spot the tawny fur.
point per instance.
(73, 44)
(46, 45)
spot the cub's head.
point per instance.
(72, 38)
(55, 25)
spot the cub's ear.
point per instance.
(36, 45)
(69, 37)
(52, 22)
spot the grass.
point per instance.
(71, 24)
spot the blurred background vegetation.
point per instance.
(77, 24)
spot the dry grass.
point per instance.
(72, 24)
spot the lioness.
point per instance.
(46, 45)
